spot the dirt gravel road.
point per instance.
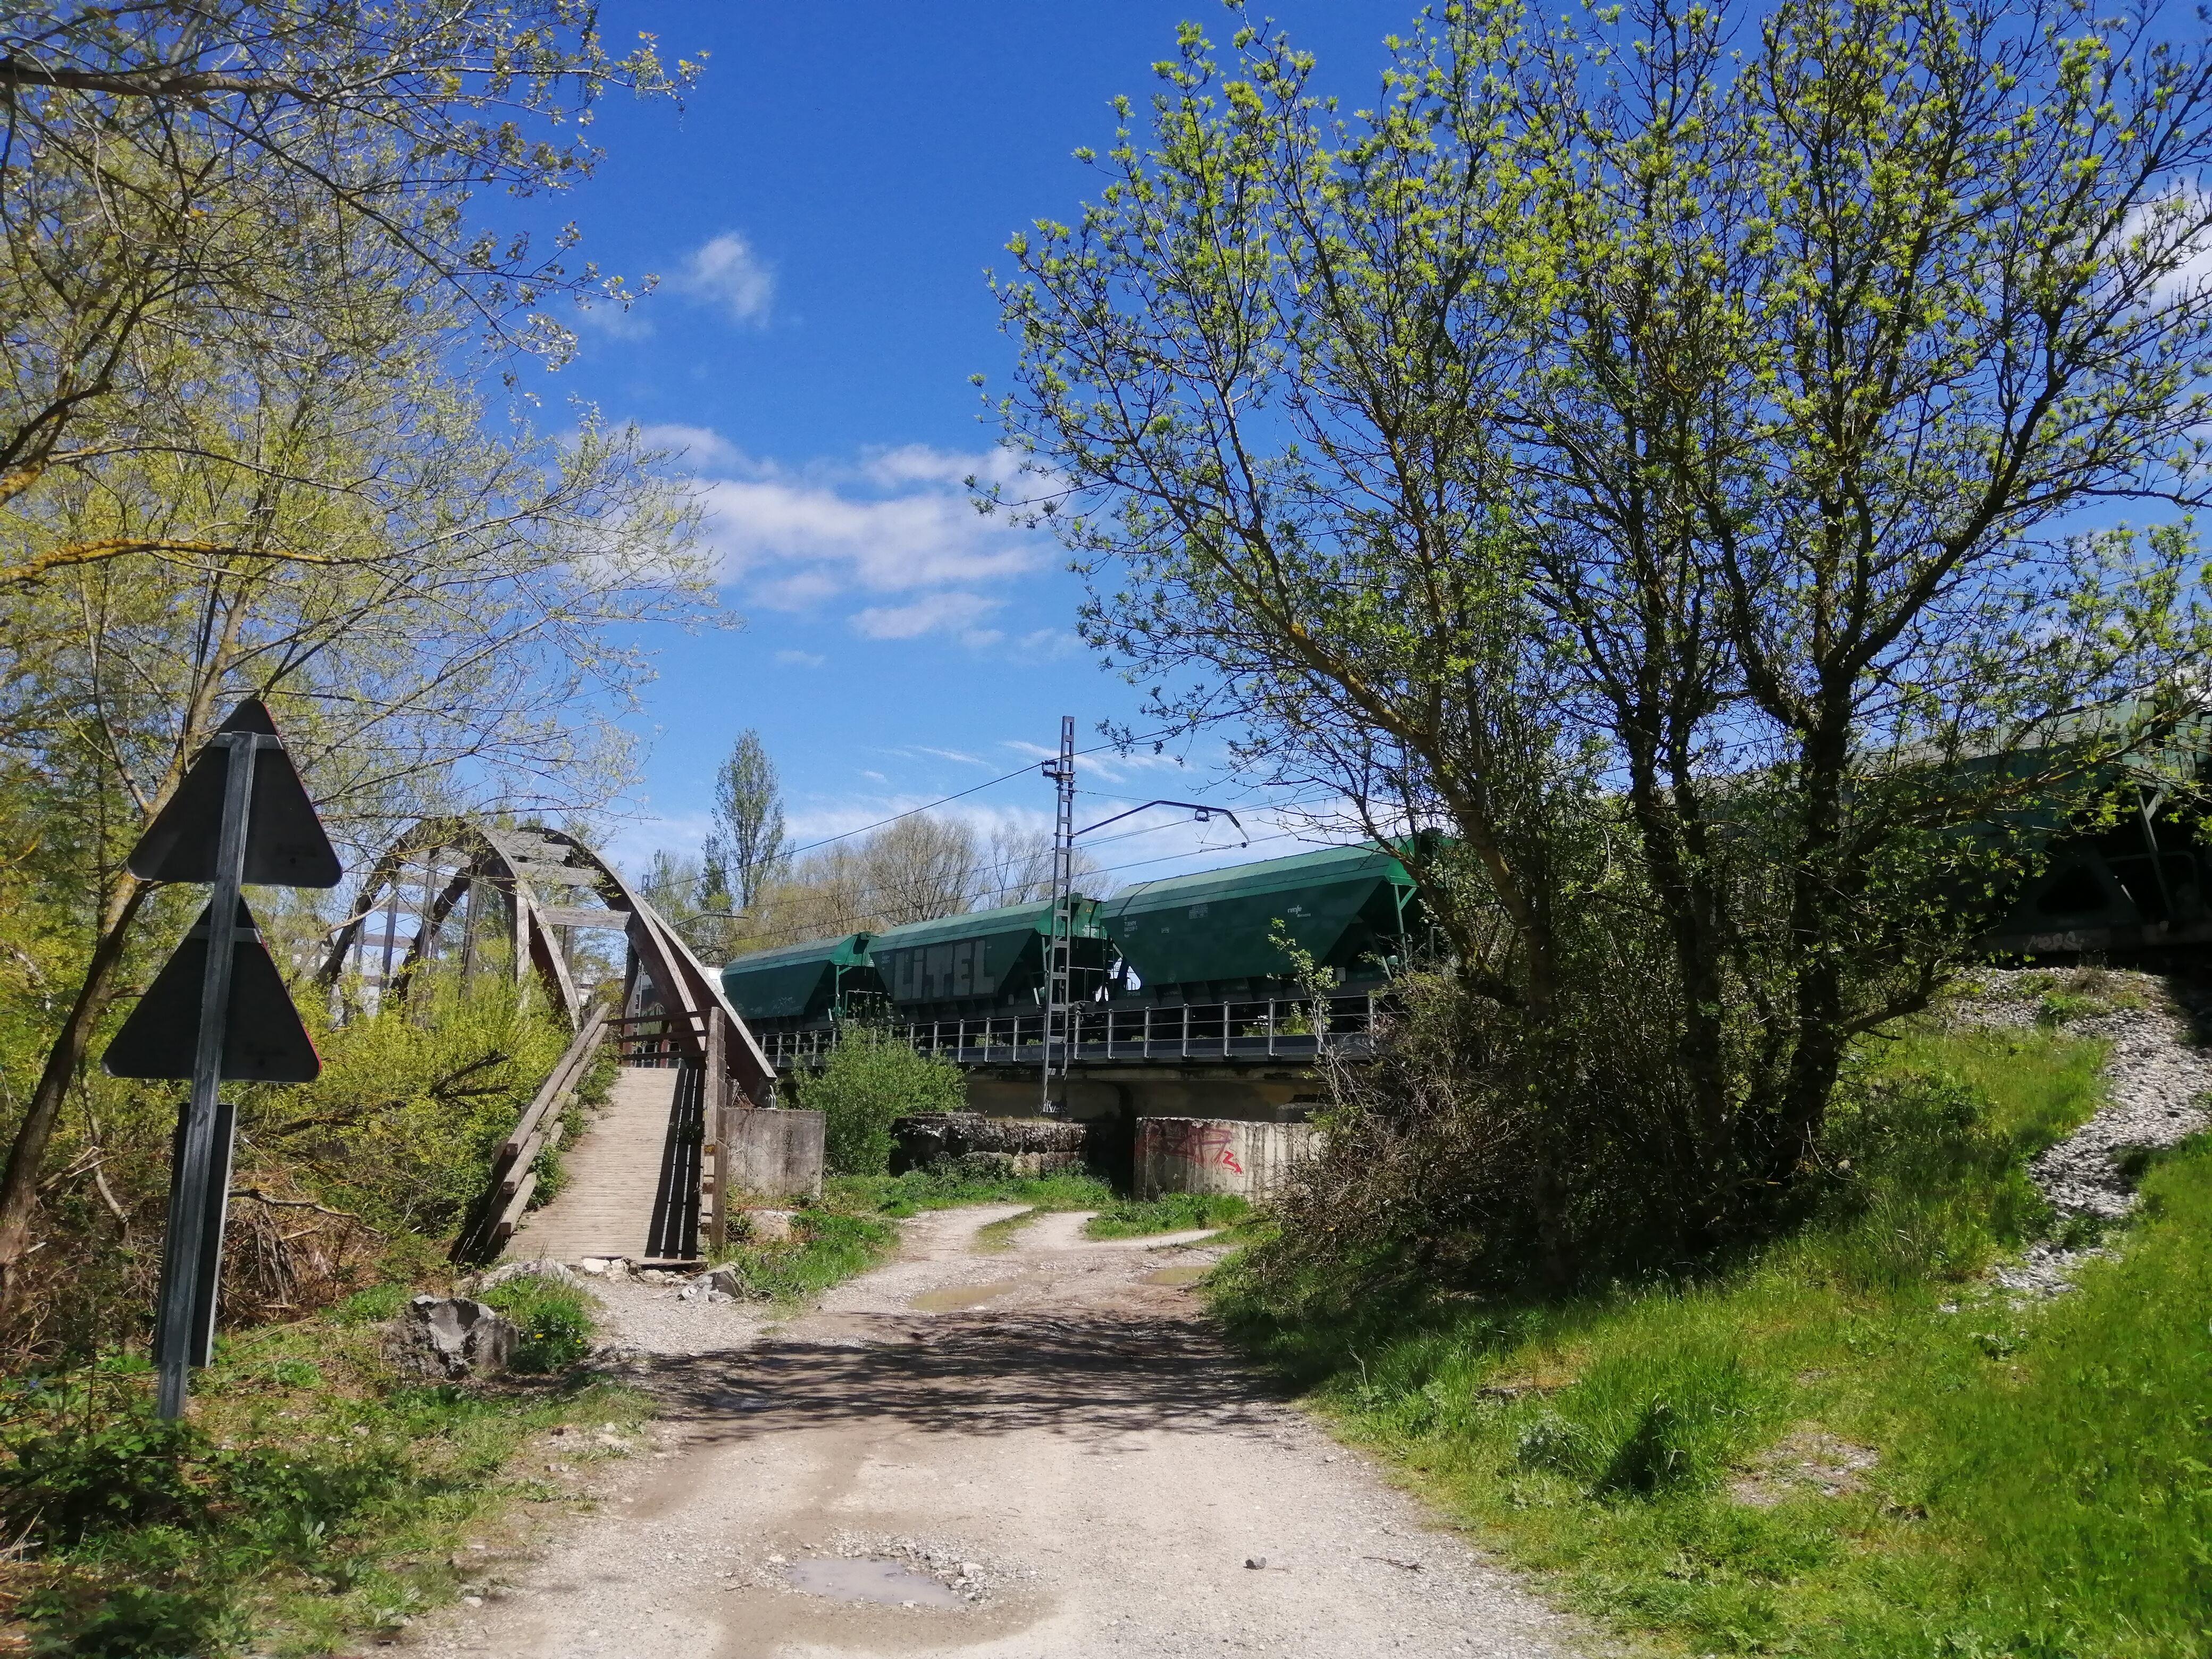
(1043, 1452)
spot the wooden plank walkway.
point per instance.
(615, 1178)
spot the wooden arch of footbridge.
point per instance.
(461, 881)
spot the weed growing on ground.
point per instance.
(827, 1247)
(310, 1496)
(999, 1235)
(1846, 1446)
(1173, 1213)
(555, 1320)
(948, 1187)
(849, 1229)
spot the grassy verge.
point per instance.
(1847, 1446)
(947, 1189)
(999, 1235)
(1175, 1213)
(827, 1246)
(850, 1228)
(311, 1496)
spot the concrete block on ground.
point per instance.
(765, 1226)
(1217, 1155)
(451, 1337)
(771, 1152)
(1012, 1146)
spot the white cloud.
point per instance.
(1049, 644)
(2176, 228)
(909, 463)
(800, 658)
(695, 448)
(933, 613)
(726, 272)
(894, 535)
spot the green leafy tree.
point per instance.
(1656, 450)
(170, 172)
(870, 1079)
(747, 845)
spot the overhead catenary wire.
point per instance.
(832, 926)
(828, 926)
(1022, 771)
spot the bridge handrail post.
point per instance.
(714, 1108)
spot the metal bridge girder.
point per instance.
(516, 862)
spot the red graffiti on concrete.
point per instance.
(1200, 1143)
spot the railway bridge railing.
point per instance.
(1243, 1031)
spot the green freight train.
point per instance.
(2141, 882)
(1205, 938)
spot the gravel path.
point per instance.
(2157, 1080)
(1042, 1452)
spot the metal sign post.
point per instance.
(197, 1210)
(240, 815)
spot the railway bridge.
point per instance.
(543, 909)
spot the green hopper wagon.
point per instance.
(801, 984)
(1203, 937)
(986, 960)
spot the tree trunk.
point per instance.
(19, 1186)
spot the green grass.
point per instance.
(310, 1498)
(948, 1188)
(2042, 1486)
(850, 1230)
(827, 1247)
(555, 1319)
(1175, 1213)
(999, 1235)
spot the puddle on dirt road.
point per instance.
(953, 1298)
(842, 1578)
(1186, 1275)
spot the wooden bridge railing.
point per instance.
(514, 1178)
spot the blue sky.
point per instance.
(820, 215)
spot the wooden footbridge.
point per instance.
(533, 903)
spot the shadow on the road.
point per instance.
(1093, 1378)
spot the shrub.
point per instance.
(1485, 1149)
(88, 1619)
(870, 1078)
(86, 1458)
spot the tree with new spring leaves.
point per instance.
(170, 172)
(1680, 452)
(237, 279)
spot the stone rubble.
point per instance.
(2157, 1084)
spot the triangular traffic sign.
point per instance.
(285, 846)
(263, 1041)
